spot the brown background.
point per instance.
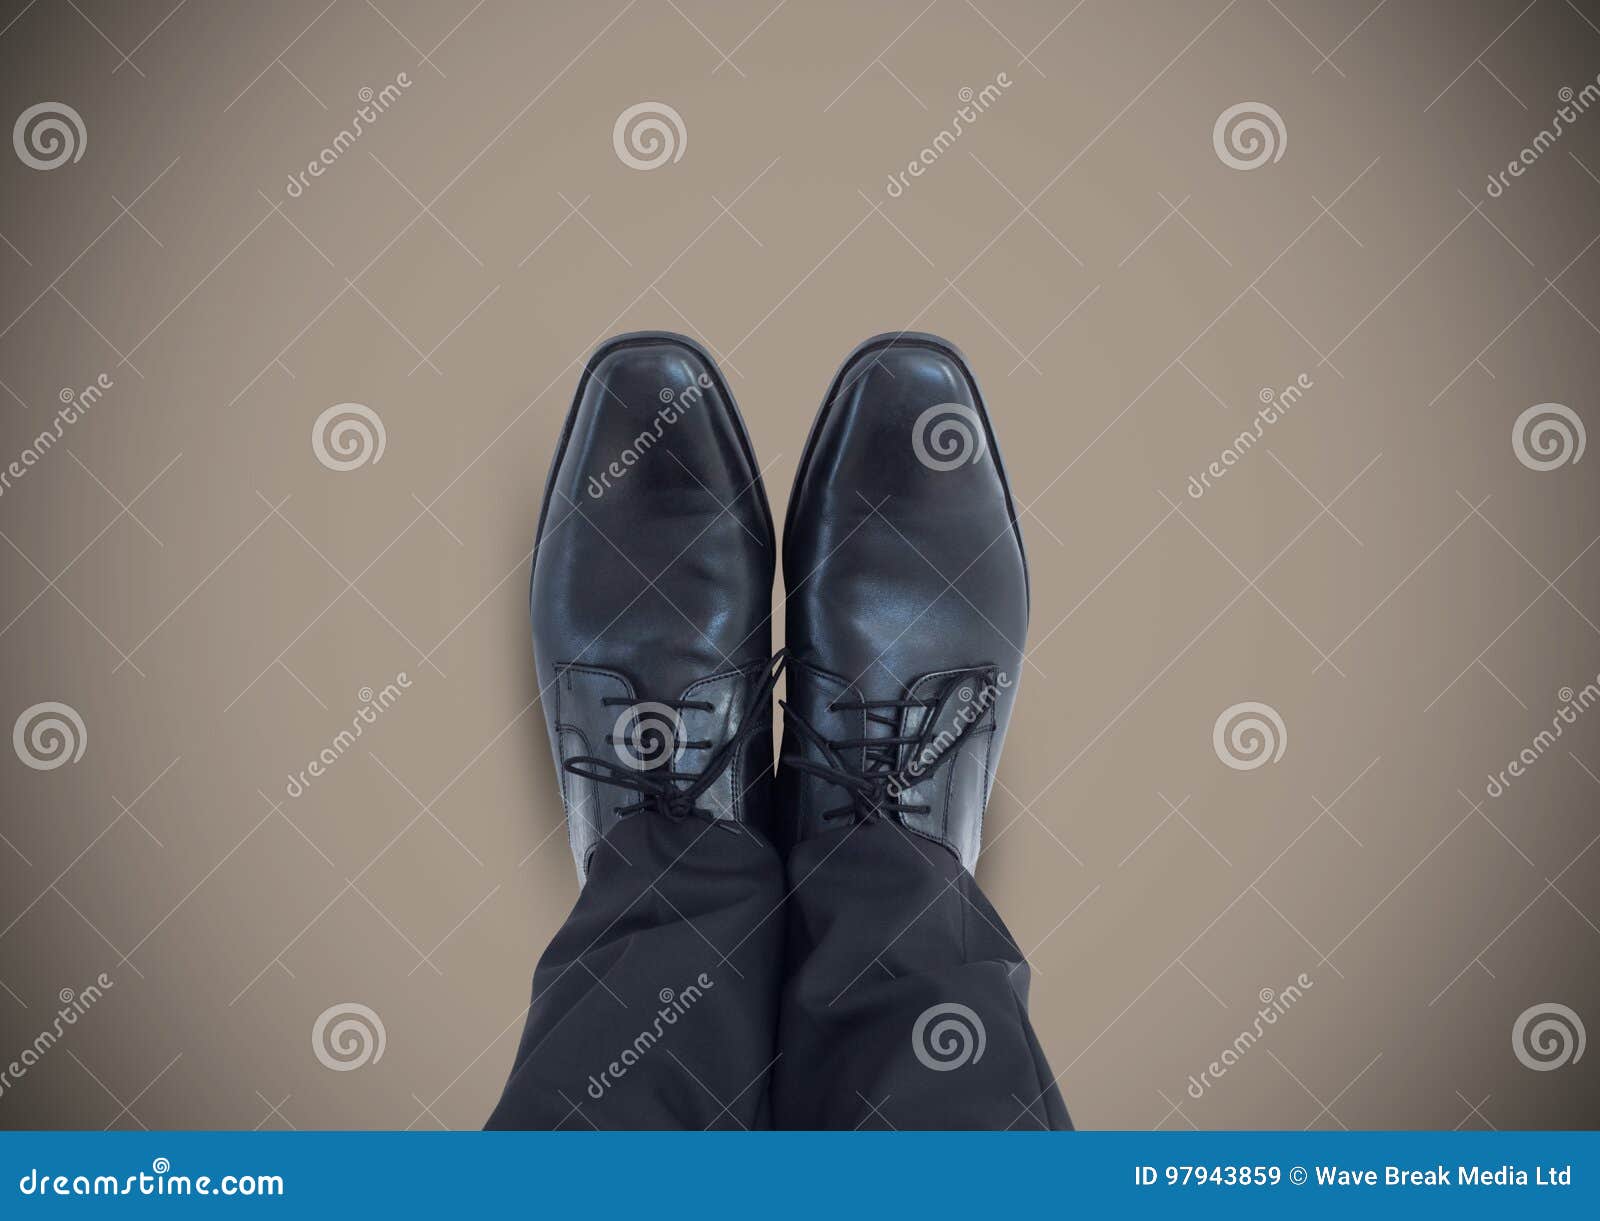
(1389, 577)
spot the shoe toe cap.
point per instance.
(655, 421)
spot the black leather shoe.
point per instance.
(651, 597)
(907, 601)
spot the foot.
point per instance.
(907, 602)
(651, 596)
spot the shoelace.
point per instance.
(665, 790)
(875, 789)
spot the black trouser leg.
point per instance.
(655, 1006)
(906, 1002)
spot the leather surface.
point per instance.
(652, 574)
(905, 577)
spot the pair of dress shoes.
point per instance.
(906, 601)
